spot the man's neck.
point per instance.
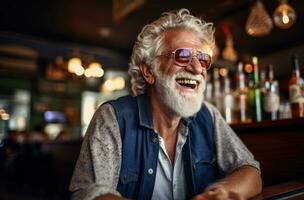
(164, 121)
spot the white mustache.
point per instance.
(187, 75)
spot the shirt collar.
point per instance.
(188, 120)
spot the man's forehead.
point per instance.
(185, 39)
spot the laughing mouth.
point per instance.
(189, 83)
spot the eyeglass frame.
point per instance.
(194, 53)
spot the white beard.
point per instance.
(183, 104)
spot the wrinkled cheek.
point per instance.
(204, 74)
(202, 87)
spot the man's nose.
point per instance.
(194, 66)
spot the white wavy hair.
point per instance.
(149, 42)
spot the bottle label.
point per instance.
(295, 93)
(271, 102)
(228, 101)
(243, 99)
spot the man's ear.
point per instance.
(147, 73)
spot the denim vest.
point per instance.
(140, 149)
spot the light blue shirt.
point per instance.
(170, 181)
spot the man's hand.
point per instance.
(109, 197)
(243, 183)
(219, 193)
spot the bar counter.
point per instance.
(278, 146)
(44, 169)
(293, 190)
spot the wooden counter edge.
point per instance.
(278, 189)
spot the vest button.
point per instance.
(150, 171)
(154, 139)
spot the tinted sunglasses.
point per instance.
(183, 57)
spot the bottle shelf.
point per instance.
(268, 124)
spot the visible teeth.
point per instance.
(186, 81)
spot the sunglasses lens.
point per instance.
(183, 56)
(204, 59)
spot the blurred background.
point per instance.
(59, 60)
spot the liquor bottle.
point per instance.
(263, 79)
(217, 95)
(241, 112)
(255, 93)
(271, 100)
(208, 91)
(227, 101)
(295, 94)
(3, 125)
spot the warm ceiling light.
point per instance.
(79, 70)
(112, 84)
(223, 72)
(229, 53)
(74, 64)
(248, 68)
(88, 72)
(97, 71)
(259, 22)
(94, 70)
(5, 116)
(108, 86)
(2, 111)
(100, 73)
(119, 83)
(284, 15)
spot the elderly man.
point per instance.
(165, 142)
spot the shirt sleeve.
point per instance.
(98, 165)
(231, 151)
